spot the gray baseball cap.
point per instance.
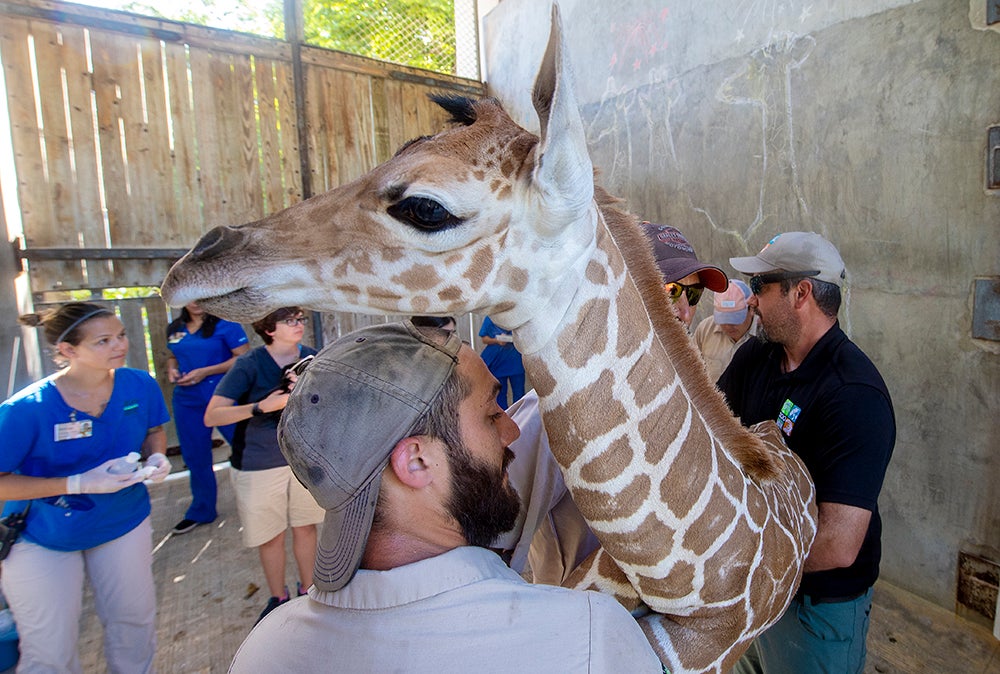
(796, 251)
(358, 397)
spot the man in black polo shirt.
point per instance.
(835, 412)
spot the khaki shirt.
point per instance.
(716, 347)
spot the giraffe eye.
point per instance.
(423, 213)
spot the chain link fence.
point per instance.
(438, 35)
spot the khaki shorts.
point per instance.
(269, 501)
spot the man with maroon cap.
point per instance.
(836, 414)
(684, 276)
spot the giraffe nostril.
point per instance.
(215, 241)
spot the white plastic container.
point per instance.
(126, 464)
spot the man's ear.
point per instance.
(803, 291)
(409, 462)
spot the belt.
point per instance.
(813, 599)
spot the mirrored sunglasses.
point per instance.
(693, 292)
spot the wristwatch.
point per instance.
(257, 411)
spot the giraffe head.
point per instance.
(451, 224)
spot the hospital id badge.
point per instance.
(72, 430)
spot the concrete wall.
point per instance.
(864, 121)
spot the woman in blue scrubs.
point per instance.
(60, 437)
(203, 348)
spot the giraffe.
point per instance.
(703, 525)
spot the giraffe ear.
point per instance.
(563, 172)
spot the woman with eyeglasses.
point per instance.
(684, 276)
(268, 496)
(202, 348)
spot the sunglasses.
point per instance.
(292, 322)
(758, 282)
(675, 289)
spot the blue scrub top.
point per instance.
(193, 351)
(28, 422)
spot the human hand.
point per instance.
(157, 467)
(173, 374)
(191, 378)
(99, 481)
(274, 402)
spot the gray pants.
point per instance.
(44, 589)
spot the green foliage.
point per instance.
(247, 16)
(419, 33)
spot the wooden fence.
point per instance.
(133, 136)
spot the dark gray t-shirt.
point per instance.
(252, 377)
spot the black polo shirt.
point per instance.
(836, 414)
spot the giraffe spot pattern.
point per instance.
(608, 464)
(479, 267)
(541, 378)
(681, 575)
(641, 545)
(688, 474)
(585, 337)
(450, 294)
(596, 274)
(517, 277)
(631, 337)
(419, 277)
(711, 523)
(661, 425)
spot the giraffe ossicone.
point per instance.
(704, 526)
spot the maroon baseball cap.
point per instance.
(676, 258)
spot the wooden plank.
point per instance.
(115, 79)
(148, 143)
(61, 229)
(356, 154)
(130, 313)
(291, 161)
(188, 224)
(270, 138)
(36, 206)
(242, 177)
(411, 111)
(321, 144)
(89, 218)
(343, 62)
(208, 75)
(381, 114)
(392, 93)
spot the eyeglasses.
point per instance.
(292, 322)
(758, 282)
(675, 289)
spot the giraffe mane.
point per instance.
(749, 450)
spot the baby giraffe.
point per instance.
(703, 525)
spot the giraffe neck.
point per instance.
(626, 403)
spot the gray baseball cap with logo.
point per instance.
(358, 397)
(796, 252)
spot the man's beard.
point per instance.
(481, 502)
(784, 332)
